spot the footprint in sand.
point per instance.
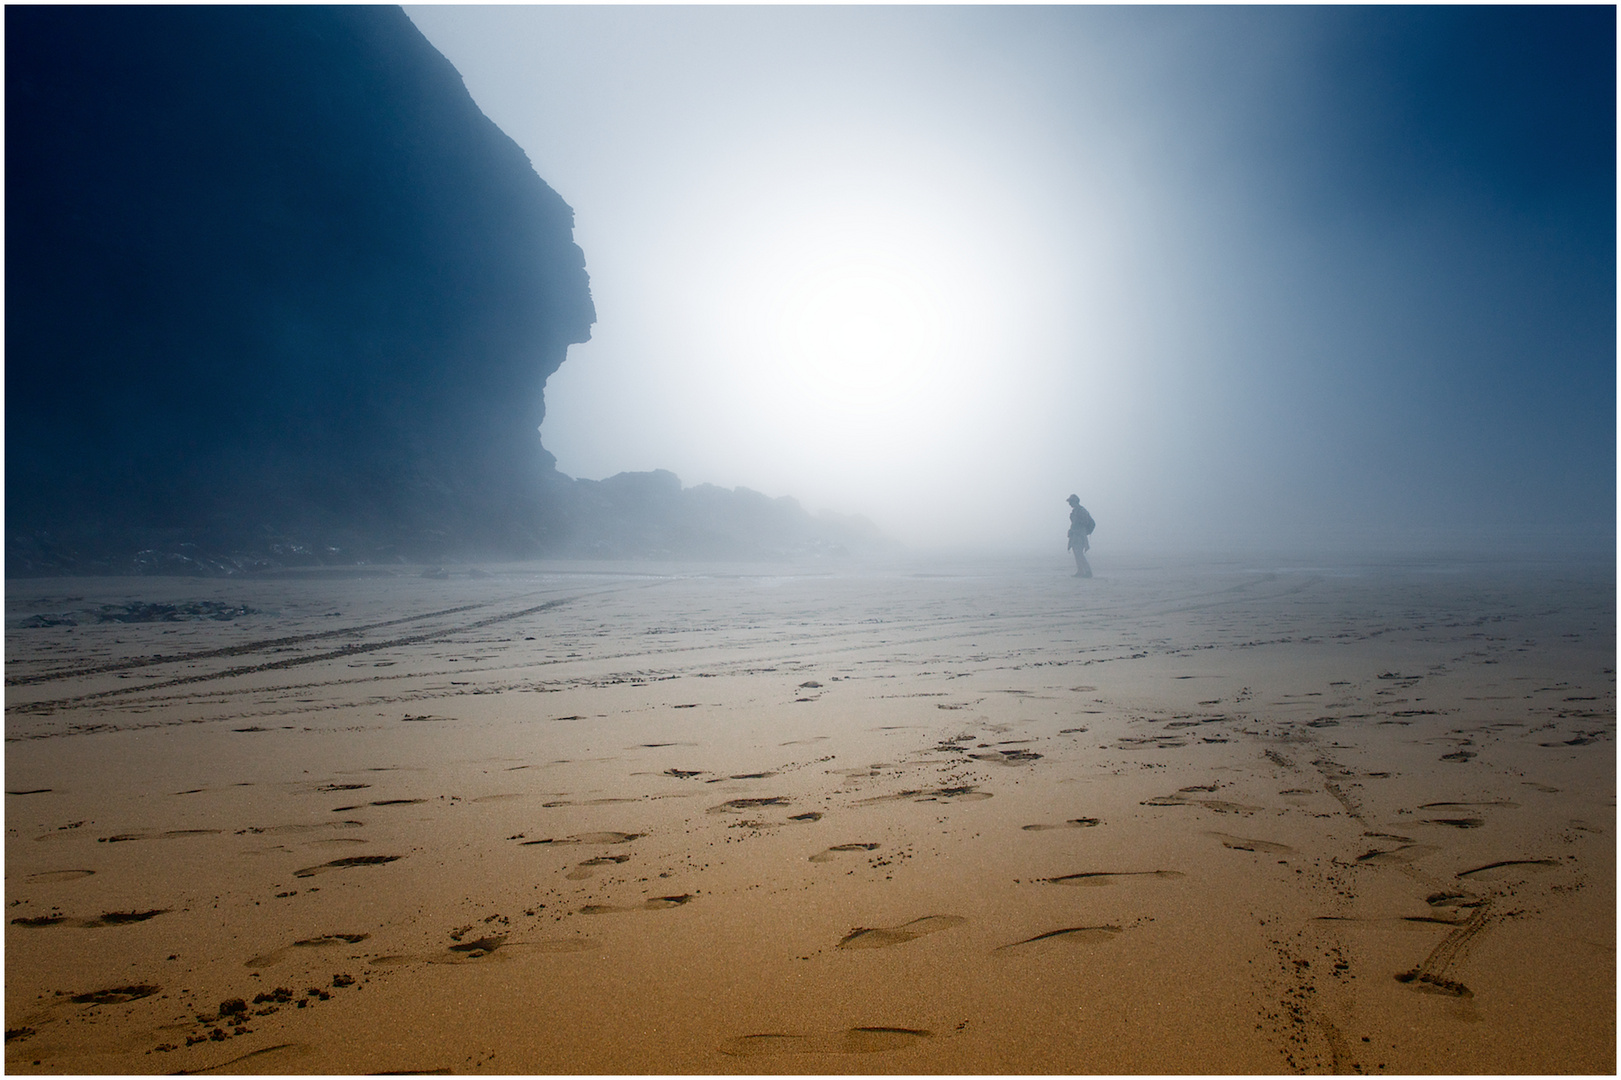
(962, 793)
(1008, 757)
(110, 918)
(1397, 856)
(588, 868)
(279, 830)
(344, 864)
(737, 806)
(1244, 843)
(879, 937)
(1108, 877)
(1072, 823)
(172, 834)
(1090, 935)
(469, 952)
(484, 946)
(857, 1040)
(833, 852)
(270, 959)
(1507, 804)
(124, 918)
(657, 903)
(116, 995)
(1220, 806)
(590, 838)
(1508, 868)
(379, 802)
(60, 875)
(1425, 982)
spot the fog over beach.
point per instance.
(1241, 277)
(535, 540)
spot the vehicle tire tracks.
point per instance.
(359, 649)
(245, 649)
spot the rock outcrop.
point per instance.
(650, 515)
(273, 283)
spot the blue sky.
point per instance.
(1236, 276)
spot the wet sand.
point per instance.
(1231, 817)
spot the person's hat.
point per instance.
(1073, 499)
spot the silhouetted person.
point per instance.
(1080, 527)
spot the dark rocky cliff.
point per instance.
(279, 294)
(273, 284)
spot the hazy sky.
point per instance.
(1229, 274)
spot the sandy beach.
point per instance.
(971, 817)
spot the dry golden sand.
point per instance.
(1218, 818)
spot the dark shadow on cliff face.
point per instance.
(273, 284)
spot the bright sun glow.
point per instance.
(863, 315)
(844, 334)
(861, 331)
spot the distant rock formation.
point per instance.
(650, 515)
(273, 282)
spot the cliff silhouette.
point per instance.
(277, 293)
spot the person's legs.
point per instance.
(1082, 567)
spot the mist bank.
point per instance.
(645, 517)
(1227, 273)
(280, 293)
